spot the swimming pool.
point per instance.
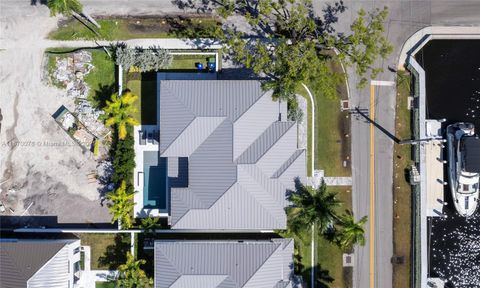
(155, 181)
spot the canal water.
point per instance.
(452, 70)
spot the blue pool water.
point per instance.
(155, 184)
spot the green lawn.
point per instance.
(107, 250)
(332, 145)
(402, 191)
(331, 126)
(101, 79)
(146, 105)
(104, 285)
(131, 28)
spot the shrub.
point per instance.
(151, 59)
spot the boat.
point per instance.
(464, 167)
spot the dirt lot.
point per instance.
(40, 167)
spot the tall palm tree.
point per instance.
(122, 205)
(131, 275)
(119, 111)
(65, 7)
(312, 207)
(352, 233)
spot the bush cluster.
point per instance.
(123, 160)
(151, 59)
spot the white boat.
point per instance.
(464, 167)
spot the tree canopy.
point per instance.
(131, 274)
(65, 7)
(351, 233)
(312, 206)
(121, 205)
(286, 42)
(119, 111)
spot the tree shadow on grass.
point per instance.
(322, 277)
(102, 94)
(116, 254)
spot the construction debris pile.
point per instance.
(70, 71)
(75, 129)
(83, 122)
(89, 116)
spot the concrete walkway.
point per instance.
(319, 175)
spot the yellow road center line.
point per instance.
(372, 187)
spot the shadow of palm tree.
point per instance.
(116, 254)
(322, 277)
(102, 94)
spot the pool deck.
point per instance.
(138, 209)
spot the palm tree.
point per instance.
(70, 7)
(121, 206)
(311, 207)
(149, 225)
(119, 110)
(131, 275)
(65, 7)
(352, 232)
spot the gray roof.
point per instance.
(223, 263)
(20, 260)
(242, 158)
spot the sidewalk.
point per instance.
(319, 175)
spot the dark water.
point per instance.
(452, 69)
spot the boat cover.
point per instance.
(472, 153)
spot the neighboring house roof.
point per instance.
(224, 263)
(241, 158)
(20, 260)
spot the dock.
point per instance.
(435, 170)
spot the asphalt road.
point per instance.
(406, 17)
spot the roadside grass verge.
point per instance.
(329, 255)
(108, 251)
(402, 192)
(332, 130)
(328, 259)
(137, 27)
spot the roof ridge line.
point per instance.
(183, 130)
(291, 159)
(263, 263)
(254, 102)
(270, 147)
(268, 211)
